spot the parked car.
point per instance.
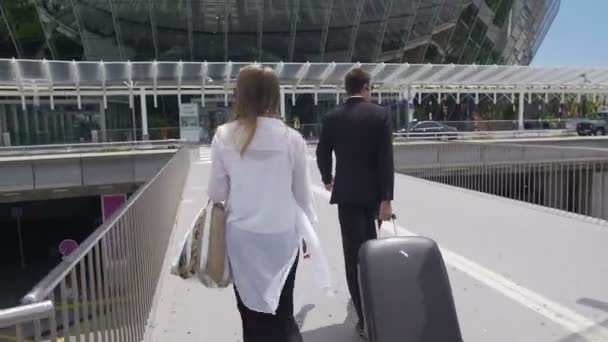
(431, 129)
(595, 124)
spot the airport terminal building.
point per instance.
(321, 31)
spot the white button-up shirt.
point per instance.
(266, 191)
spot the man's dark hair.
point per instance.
(356, 80)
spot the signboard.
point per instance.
(189, 122)
(111, 203)
(67, 246)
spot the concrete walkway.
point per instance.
(519, 273)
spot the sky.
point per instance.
(578, 36)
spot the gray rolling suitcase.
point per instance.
(405, 292)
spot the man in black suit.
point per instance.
(360, 135)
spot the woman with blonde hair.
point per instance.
(259, 169)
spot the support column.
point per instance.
(56, 128)
(3, 127)
(26, 124)
(36, 125)
(144, 114)
(409, 109)
(4, 135)
(45, 127)
(283, 104)
(398, 114)
(520, 108)
(15, 120)
(102, 121)
(68, 119)
(61, 118)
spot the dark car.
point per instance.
(431, 129)
(595, 124)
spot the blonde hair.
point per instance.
(257, 94)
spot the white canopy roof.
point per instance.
(23, 78)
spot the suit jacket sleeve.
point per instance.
(324, 152)
(386, 167)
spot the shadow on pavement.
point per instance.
(344, 332)
(596, 304)
(300, 317)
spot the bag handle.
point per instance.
(393, 219)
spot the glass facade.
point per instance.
(392, 31)
(397, 31)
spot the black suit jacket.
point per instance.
(360, 135)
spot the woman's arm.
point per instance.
(301, 185)
(219, 183)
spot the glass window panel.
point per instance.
(479, 31)
(62, 29)
(192, 72)
(469, 53)
(311, 21)
(502, 12)
(6, 72)
(314, 72)
(142, 71)
(98, 32)
(433, 54)
(67, 47)
(136, 31)
(493, 4)
(469, 15)
(116, 72)
(277, 29)
(60, 71)
(343, 20)
(339, 73)
(368, 35)
(485, 51)
(399, 23)
(89, 73)
(22, 18)
(415, 55)
(427, 11)
(457, 42)
(439, 43)
(451, 11)
(209, 21)
(172, 29)
(216, 71)
(243, 31)
(31, 70)
(7, 48)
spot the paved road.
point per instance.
(518, 272)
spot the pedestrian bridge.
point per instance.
(522, 268)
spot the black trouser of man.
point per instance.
(358, 225)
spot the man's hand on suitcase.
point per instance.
(386, 211)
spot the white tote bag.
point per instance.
(203, 253)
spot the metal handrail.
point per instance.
(25, 313)
(569, 179)
(53, 278)
(105, 288)
(79, 147)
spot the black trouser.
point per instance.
(264, 327)
(358, 225)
